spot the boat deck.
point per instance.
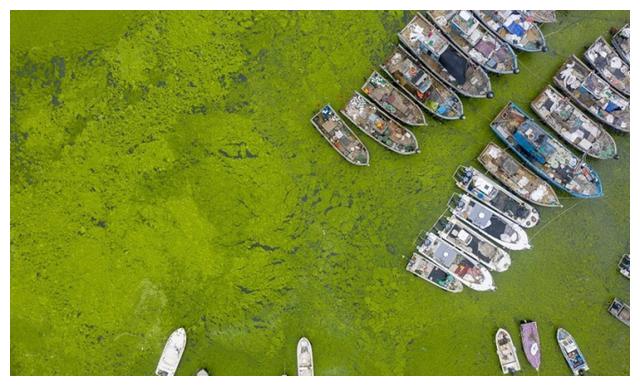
(516, 177)
(341, 138)
(392, 100)
(441, 57)
(379, 126)
(475, 40)
(426, 89)
(514, 28)
(609, 65)
(593, 94)
(574, 126)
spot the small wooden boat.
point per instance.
(574, 126)
(491, 193)
(474, 39)
(422, 86)
(172, 353)
(393, 101)
(516, 177)
(507, 352)
(493, 225)
(202, 373)
(594, 94)
(545, 154)
(429, 271)
(624, 265)
(378, 125)
(519, 31)
(473, 243)
(445, 60)
(541, 16)
(341, 138)
(621, 41)
(621, 311)
(451, 260)
(305, 357)
(609, 65)
(571, 352)
(531, 343)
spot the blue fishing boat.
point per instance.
(546, 155)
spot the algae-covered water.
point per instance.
(164, 173)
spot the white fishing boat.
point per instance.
(484, 189)
(492, 224)
(172, 353)
(507, 352)
(571, 352)
(305, 357)
(473, 243)
(450, 259)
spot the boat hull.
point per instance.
(172, 353)
(571, 352)
(603, 146)
(537, 46)
(491, 64)
(353, 115)
(450, 108)
(520, 180)
(570, 79)
(507, 353)
(433, 274)
(361, 157)
(608, 71)
(438, 70)
(468, 178)
(598, 192)
(305, 357)
(531, 343)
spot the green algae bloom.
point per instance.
(164, 173)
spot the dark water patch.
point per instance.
(264, 247)
(245, 290)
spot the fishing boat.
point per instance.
(624, 265)
(202, 373)
(574, 126)
(422, 86)
(491, 193)
(594, 94)
(571, 352)
(429, 271)
(545, 154)
(609, 65)
(531, 343)
(474, 39)
(514, 28)
(621, 311)
(456, 263)
(493, 225)
(507, 352)
(500, 164)
(378, 125)
(473, 243)
(445, 60)
(621, 41)
(172, 353)
(393, 101)
(541, 16)
(341, 138)
(305, 357)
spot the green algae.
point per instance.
(164, 173)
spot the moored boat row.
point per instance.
(447, 52)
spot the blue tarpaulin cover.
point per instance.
(516, 29)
